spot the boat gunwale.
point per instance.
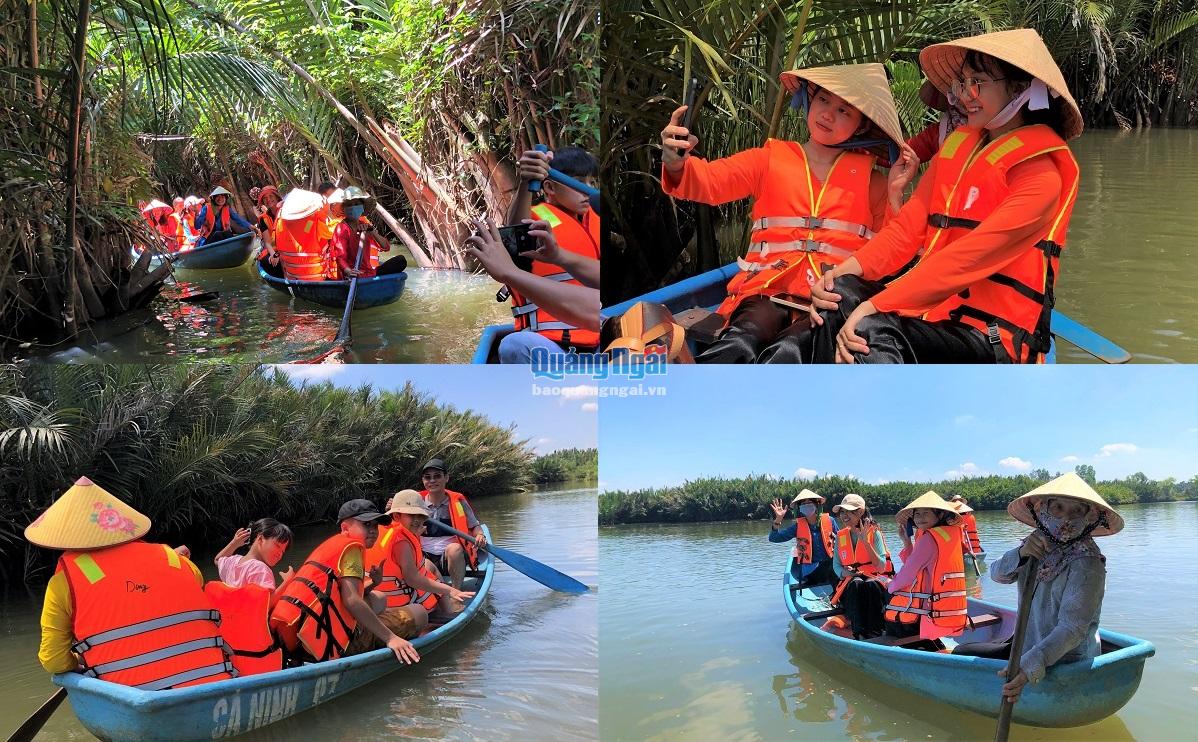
(283, 283)
(180, 258)
(155, 701)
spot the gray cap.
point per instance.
(363, 510)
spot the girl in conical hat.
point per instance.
(986, 225)
(1070, 580)
(814, 202)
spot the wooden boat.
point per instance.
(1069, 695)
(228, 253)
(488, 344)
(707, 290)
(372, 292)
(231, 707)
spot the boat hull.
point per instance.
(228, 253)
(372, 292)
(488, 344)
(1069, 695)
(232, 707)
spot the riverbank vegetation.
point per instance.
(1128, 64)
(567, 465)
(202, 450)
(720, 498)
(112, 102)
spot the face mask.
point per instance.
(355, 212)
(807, 509)
(1062, 528)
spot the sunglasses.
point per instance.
(971, 87)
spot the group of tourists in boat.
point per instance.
(189, 223)
(137, 613)
(839, 269)
(926, 597)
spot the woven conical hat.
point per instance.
(154, 205)
(1074, 487)
(300, 204)
(807, 494)
(864, 86)
(87, 517)
(219, 191)
(961, 507)
(1021, 47)
(928, 499)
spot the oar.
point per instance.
(344, 337)
(27, 731)
(542, 573)
(1027, 588)
(591, 193)
(972, 555)
(1088, 340)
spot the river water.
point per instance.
(698, 643)
(525, 668)
(438, 319)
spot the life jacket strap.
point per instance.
(142, 627)
(146, 658)
(944, 221)
(185, 677)
(811, 246)
(812, 222)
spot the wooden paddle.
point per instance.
(1027, 588)
(972, 555)
(542, 573)
(27, 731)
(344, 336)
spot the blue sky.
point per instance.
(906, 423)
(565, 418)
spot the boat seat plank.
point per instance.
(983, 620)
(817, 615)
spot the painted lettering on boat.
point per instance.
(265, 707)
(326, 687)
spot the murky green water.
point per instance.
(1130, 268)
(525, 668)
(698, 643)
(438, 319)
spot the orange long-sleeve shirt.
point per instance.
(1035, 190)
(743, 175)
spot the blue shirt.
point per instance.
(818, 553)
(233, 217)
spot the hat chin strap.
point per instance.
(1101, 521)
(1035, 96)
(799, 101)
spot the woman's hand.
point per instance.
(779, 511)
(1012, 688)
(548, 250)
(823, 297)
(1034, 546)
(534, 165)
(902, 172)
(486, 246)
(848, 341)
(674, 137)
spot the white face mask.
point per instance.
(807, 509)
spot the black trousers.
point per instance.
(821, 575)
(754, 323)
(891, 338)
(863, 602)
(993, 650)
(397, 264)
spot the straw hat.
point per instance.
(410, 502)
(154, 206)
(1073, 487)
(864, 86)
(928, 499)
(931, 97)
(86, 517)
(807, 494)
(961, 506)
(337, 196)
(266, 191)
(300, 204)
(850, 502)
(1021, 47)
(219, 191)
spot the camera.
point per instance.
(516, 240)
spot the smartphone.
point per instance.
(692, 92)
(516, 240)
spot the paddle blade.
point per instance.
(1088, 340)
(542, 573)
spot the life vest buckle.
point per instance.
(992, 334)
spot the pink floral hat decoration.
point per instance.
(87, 517)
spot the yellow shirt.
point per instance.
(352, 562)
(58, 615)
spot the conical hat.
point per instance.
(864, 86)
(154, 205)
(961, 506)
(1021, 47)
(928, 499)
(300, 204)
(807, 494)
(219, 190)
(1074, 487)
(932, 97)
(87, 517)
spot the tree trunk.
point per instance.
(71, 174)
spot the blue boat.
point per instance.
(1069, 695)
(228, 708)
(488, 344)
(228, 253)
(372, 292)
(707, 290)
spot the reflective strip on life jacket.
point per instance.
(146, 658)
(812, 222)
(143, 627)
(579, 237)
(809, 246)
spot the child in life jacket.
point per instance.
(928, 594)
(268, 540)
(814, 203)
(987, 223)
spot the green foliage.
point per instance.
(202, 450)
(567, 465)
(718, 498)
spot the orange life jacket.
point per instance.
(301, 244)
(578, 237)
(214, 222)
(311, 611)
(858, 556)
(245, 626)
(398, 592)
(140, 618)
(797, 230)
(457, 519)
(172, 231)
(942, 599)
(803, 551)
(1014, 306)
(971, 543)
(332, 271)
